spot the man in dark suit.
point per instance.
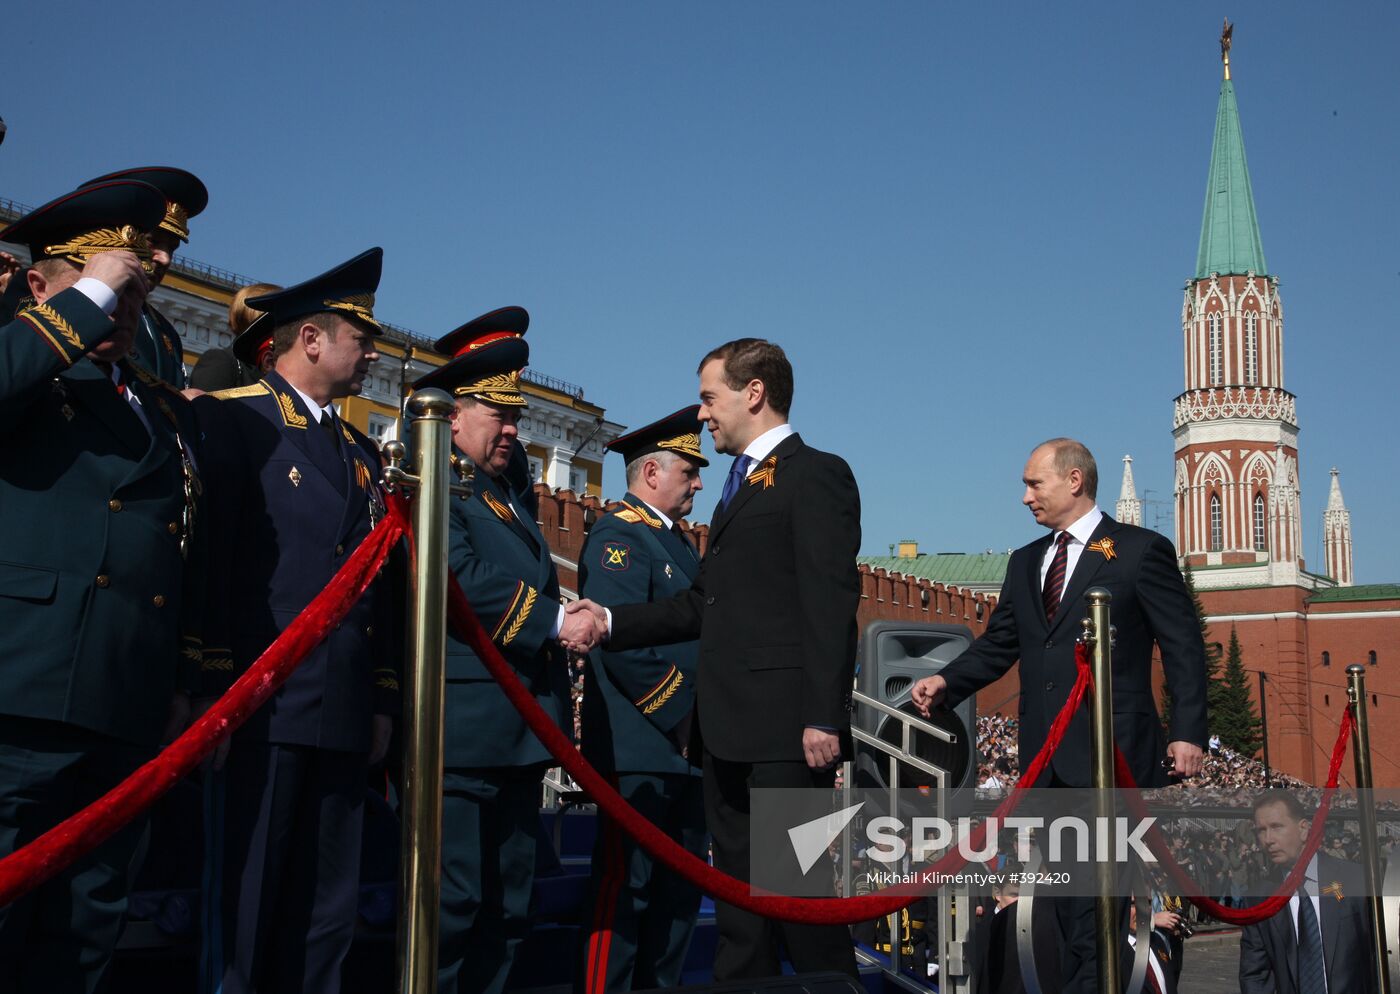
(158, 348)
(774, 608)
(636, 716)
(1320, 942)
(295, 491)
(1036, 620)
(99, 568)
(492, 762)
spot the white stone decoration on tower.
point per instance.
(1336, 535)
(1238, 519)
(1129, 509)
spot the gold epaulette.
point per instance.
(633, 514)
(233, 393)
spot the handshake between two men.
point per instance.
(583, 626)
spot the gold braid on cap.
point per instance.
(177, 221)
(502, 388)
(686, 445)
(361, 305)
(81, 248)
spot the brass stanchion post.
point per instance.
(1105, 811)
(1366, 808)
(420, 858)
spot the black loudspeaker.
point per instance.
(893, 656)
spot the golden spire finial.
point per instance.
(1225, 34)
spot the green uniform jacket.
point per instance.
(634, 699)
(503, 564)
(98, 610)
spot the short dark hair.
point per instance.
(284, 336)
(1070, 454)
(748, 359)
(1285, 797)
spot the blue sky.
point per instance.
(968, 224)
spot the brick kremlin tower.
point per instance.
(1238, 521)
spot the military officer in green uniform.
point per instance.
(158, 347)
(636, 716)
(493, 764)
(99, 568)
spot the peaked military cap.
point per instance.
(490, 372)
(679, 433)
(185, 195)
(347, 290)
(503, 322)
(91, 220)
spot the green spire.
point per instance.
(1230, 241)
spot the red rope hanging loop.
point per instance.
(804, 910)
(1271, 905)
(1191, 890)
(55, 850)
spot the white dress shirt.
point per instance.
(98, 292)
(761, 446)
(1079, 534)
(665, 518)
(311, 405)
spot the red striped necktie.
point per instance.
(1055, 578)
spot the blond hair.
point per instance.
(240, 315)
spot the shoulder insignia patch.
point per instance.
(233, 393)
(288, 409)
(615, 556)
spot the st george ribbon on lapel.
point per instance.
(735, 479)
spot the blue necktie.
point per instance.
(1311, 978)
(734, 480)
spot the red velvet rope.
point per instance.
(1270, 906)
(804, 910)
(52, 852)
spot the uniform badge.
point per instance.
(362, 474)
(295, 477)
(615, 556)
(67, 412)
(668, 571)
(1334, 888)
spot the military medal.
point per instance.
(295, 477)
(668, 571)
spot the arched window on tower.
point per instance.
(1251, 348)
(1217, 355)
(1217, 525)
(1261, 531)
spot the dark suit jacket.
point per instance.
(634, 697)
(1150, 604)
(500, 558)
(98, 608)
(220, 369)
(1269, 950)
(774, 608)
(1003, 959)
(289, 509)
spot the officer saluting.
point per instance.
(636, 715)
(492, 763)
(158, 347)
(295, 490)
(97, 621)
